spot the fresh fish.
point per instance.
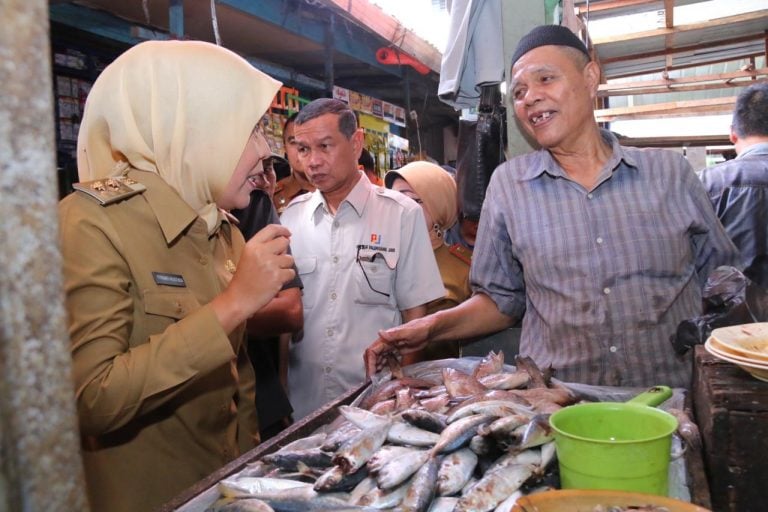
(404, 433)
(504, 427)
(509, 503)
(401, 468)
(536, 432)
(404, 399)
(288, 460)
(421, 491)
(512, 380)
(300, 499)
(250, 486)
(336, 480)
(461, 385)
(496, 408)
(366, 485)
(357, 450)
(384, 455)
(389, 389)
(385, 407)
(437, 404)
(384, 499)
(527, 457)
(491, 364)
(494, 487)
(455, 471)
(424, 419)
(484, 446)
(548, 454)
(458, 433)
(305, 443)
(538, 378)
(338, 436)
(361, 418)
(239, 505)
(255, 469)
(443, 504)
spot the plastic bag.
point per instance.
(729, 298)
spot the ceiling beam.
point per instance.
(371, 16)
(675, 141)
(688, 83)
(709, 24)
(669, 13)
(608, 6)
(670, 109)
(684, 49)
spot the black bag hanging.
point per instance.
(480, 151)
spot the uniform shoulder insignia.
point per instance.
(461, 252)
(110, 190)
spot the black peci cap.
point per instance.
(545, 35)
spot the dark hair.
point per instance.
(366, 160)
(750, 117)
(322, 106)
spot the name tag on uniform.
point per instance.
(169, 279)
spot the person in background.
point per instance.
(363, 254)
(463, 232)
(297, 183)
(367, 165)
(158, 284)
(738, 188)
(435, 191)
(283, 314)
(601, 249)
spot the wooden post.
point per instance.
(40, 467)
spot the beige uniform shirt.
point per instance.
(162, 397)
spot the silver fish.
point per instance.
(404, 433)
(495, 407)
(536, 433)
(248, 486)
(513, 380)
(305, 443)
(339, 435)
(384, 499)
(509, 503)
(366, 485)
(494, 487)
(384, 455)
(299, 499)
(424, 419)
(239, 505)
(504, 427)
(336, 480)
(460, 432)
(461, 385)
(402, 467)
(491, 364)
(421, 491)
(356, 451)
(455, 471)
(443, 504)
(288, 460)
(361, 418)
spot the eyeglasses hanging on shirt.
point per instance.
(370, 258)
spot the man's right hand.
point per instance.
(396, 342)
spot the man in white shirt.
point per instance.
(363, 253)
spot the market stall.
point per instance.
(686, 478)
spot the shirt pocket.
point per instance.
(375, 278)
(307, 268)
(169, 304)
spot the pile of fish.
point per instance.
(469, 441)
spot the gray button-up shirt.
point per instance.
(603, 276)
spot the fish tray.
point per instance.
(690, 477)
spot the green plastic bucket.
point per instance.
(614, 445)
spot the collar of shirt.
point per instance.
(545, 163)
(173, 214)
(357, 198)
(761, 148)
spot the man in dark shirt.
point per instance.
(738, 188)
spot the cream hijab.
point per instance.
(181, 109)
(437, 190)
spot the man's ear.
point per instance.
(733, 137)
(592, 76)
(358, 140)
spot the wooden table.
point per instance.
(731, 409)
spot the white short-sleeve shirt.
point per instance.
(360, 268)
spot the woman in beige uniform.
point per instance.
(158, 282)
(435, 190)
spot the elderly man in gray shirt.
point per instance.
(601, 249)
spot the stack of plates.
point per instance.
(745, 345)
